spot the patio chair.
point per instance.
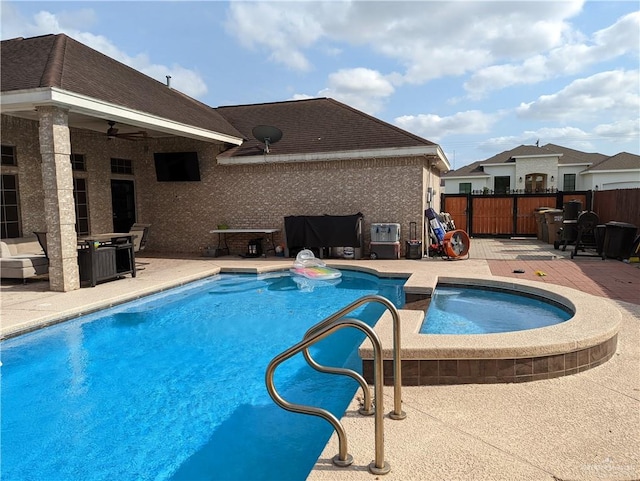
(42, 239)
(141, 232)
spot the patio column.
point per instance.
(59, 207)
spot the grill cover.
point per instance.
(323, 230)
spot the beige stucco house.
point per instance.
(529, 168)
(82, 136)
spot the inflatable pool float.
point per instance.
(307, 265)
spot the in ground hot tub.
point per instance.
(586, 340)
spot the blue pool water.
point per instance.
(172, 387)
(467, 310)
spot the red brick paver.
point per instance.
(613, 279)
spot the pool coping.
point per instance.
(588, 339)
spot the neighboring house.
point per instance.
(550, 168)
(83, 137)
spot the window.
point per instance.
(502, 184)
(10, 221)
(8, 155)
(464, 188)
(121, 166)
(77, 162)
(80, 199)
(569, 183)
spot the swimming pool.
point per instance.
(172, 386)
(473, 310)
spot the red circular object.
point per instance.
(456, 243)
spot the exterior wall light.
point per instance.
(520, 180)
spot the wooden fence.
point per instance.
(507, 215)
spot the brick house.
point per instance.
(81, 133)
(529, 168)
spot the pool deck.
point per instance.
(585, 426)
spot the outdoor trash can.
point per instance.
(553, 218)
(599, 233)
(618, 240)
(538, 213)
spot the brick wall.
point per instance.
(242, 196)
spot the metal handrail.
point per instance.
(397, 413)
(343, 458)
(367, 404)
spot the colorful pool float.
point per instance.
(307, 265)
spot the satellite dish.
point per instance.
(267, 134)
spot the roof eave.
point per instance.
(467, 176)
(28, 100)
(610, 171)
(535, 156)
(433, 151)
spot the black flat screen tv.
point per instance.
(177, 166)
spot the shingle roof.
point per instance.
(566, 156)
(520, 151)
(59, 61)
(571, 156)
(474, 169)
(621, 161)
(315, 126)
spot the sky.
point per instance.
(476, 77)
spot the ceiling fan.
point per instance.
(112, 133)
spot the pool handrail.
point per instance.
(367, 405)
(343, 458)
(397, 413)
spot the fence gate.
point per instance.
(492, 215)
(504, 215)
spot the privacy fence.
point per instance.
(508, 215)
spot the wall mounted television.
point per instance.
(177, 166)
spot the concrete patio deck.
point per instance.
(580, 427)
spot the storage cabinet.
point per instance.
(105, 256)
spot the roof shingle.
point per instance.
(315, 126)
(62, 62)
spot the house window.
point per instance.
(77, 162)
(121, 166)
(8, 155)
(502, 184)
(464, 188)
(569, 183)
(10, 222)
(80, 199)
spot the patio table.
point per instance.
(223, 235)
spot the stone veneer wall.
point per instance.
(242, 196)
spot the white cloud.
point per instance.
(280, 29)
(615, 92)
(428, 39)
(435, 127)
(619, 132)
(361, 88)
(69, 22)
(571, 137)
(569, 58)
